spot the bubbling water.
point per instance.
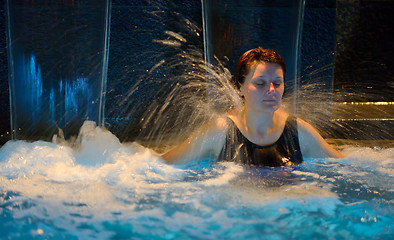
(98, 188)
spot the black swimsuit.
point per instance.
(285, 151)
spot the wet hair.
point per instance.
(253, 56)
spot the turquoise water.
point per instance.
(102, 189)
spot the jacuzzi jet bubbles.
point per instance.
(123, 189)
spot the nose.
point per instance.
(271, 88)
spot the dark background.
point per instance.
(347, 53)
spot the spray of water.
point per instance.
(173, 91)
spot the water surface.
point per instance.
(99, 188)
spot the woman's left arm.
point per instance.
(312, 144)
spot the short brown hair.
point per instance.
(251, 57)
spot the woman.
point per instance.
(261, 133)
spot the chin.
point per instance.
(271, 108)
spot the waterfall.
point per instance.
(58, 53)
(233, 27)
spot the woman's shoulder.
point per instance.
(307, 133)
(312, 143)
(216, 125)
(305, 128)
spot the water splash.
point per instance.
(185, 93)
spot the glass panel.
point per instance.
(57, 65)
(233, 27)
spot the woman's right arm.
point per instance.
(207, 141)
(312, 143)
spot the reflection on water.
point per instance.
(99, 188)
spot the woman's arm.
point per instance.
(205, 142)
(312, 144)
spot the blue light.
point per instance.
(76, 96)
(32, 85)
(52, 105)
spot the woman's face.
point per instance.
(263, 87)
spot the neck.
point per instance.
(258, 123)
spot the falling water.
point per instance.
(57, 54)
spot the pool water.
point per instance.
(100, 188)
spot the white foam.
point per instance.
(380, 159)
(96, 157)
(314, 175)
(20, 158)
(97, 175)
(228, 173)
(370, 167)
